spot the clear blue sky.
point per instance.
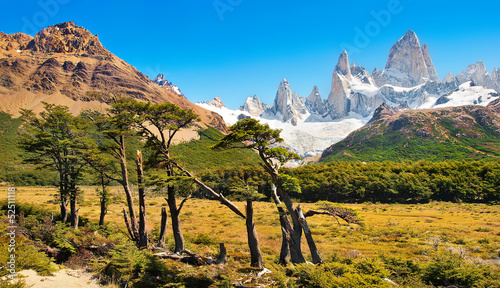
(238, 48)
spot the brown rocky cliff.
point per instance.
(68, 38)
(66, 64)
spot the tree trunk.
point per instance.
(63, 194)
(64, 210)
(295, 233)
(143, 233)
(222, 258)
(163, 228)
(74, 210)
(103, 200)
(104, 211)
(128, 192)
(307, 232)
(176, 221)
(129, 227)
(285, 246)
(253, 241)
(285, 223)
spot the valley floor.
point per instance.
(411, 231)
(389, 228)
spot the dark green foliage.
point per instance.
(27, 254)
(258, 136)
(405, 182)
(401, 268)
(8, 142)
(106, 132)
(443, 269)
(447, 269)
(56, 140)
(124, 262)
(12, 170)
(359, 273)
(196, 155)
(251, 134)
(289, 184)
(27, 257)
(388, 182)
(19, 283)
(129, 266)
(223, 180)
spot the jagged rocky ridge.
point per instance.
(66, 64)
(160, 80)
(409, 78)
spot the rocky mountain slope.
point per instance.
(451, 133)
(409, 64)
(66, 64)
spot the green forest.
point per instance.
(384, 182)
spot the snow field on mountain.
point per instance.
(307, 138)
(469, 95)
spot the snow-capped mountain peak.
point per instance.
(287, 105)
(467, 94)
(216, 102)
(408, 64)
(253, 106)
(160, 80)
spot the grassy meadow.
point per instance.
(389, 228)
(414, 232)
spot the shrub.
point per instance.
(19, 283)
(203, 239)
(445, 269)
(363, 273)
(27, 257)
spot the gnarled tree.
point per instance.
(159, 124)
(251, 134)
(115, 128)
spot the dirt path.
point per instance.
(63, 278)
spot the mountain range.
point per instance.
(66, 64)
(409, 81)
(408, 78)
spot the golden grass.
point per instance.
(409, 231)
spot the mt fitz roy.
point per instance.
(409, 78)
(408, 81)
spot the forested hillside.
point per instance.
(456, 133)
(196, 155)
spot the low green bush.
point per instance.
(27, 256)
(447, 269)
